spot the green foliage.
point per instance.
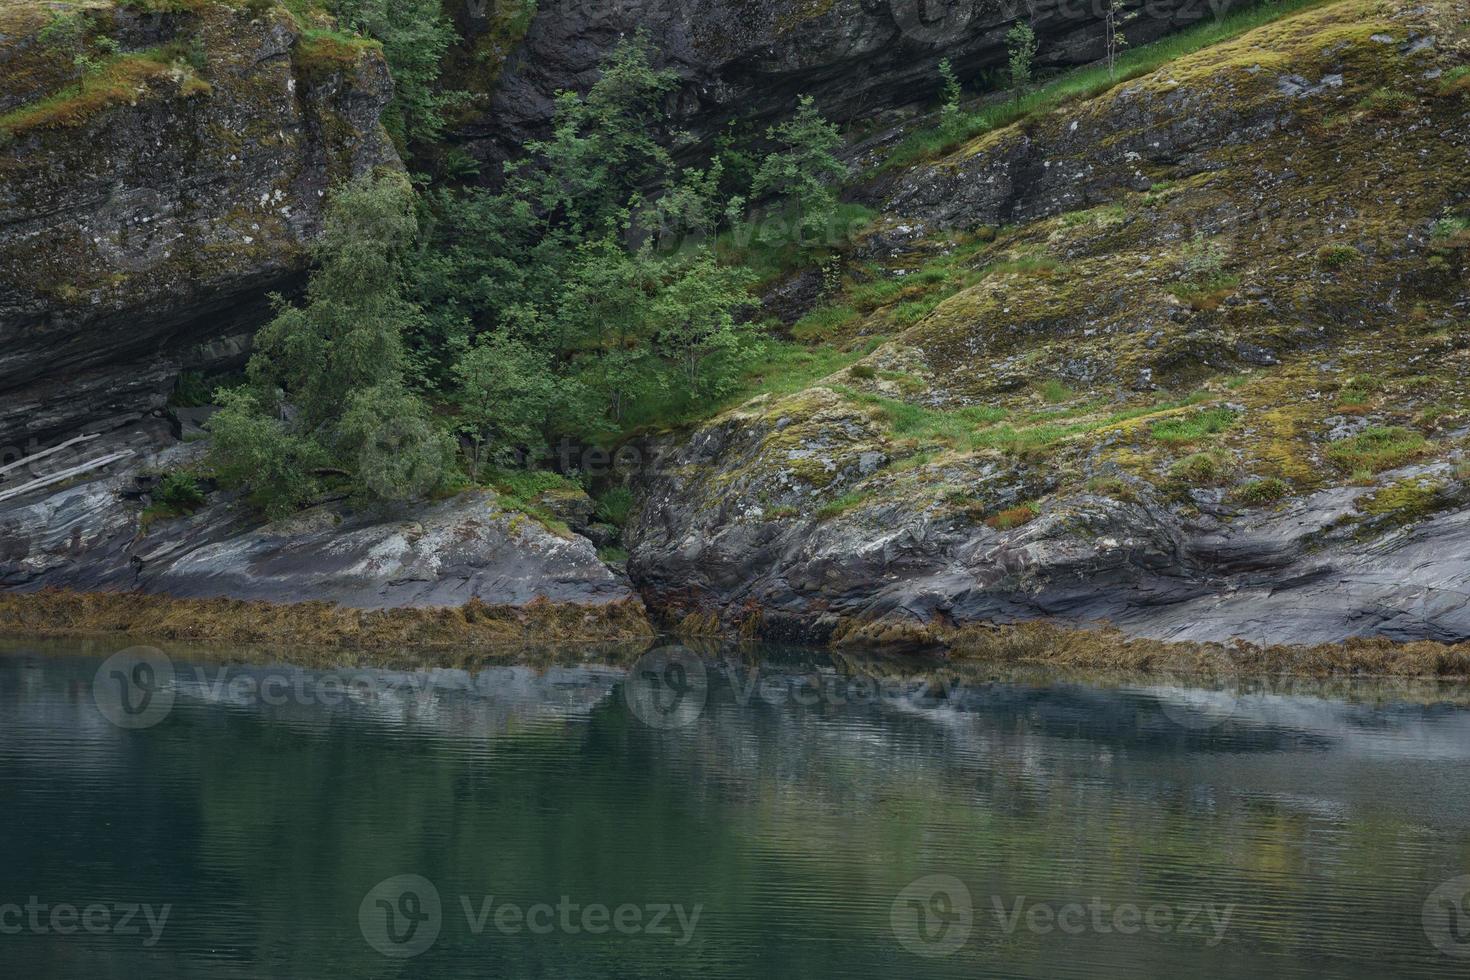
(180, 491)
(614, 506)
(1193, 427)
(1376, 449)
(252, 449)
(1450, 226)
(1386, 102)
(1205, 282)
(950, 107)
(1021, 45)
(1337, 256)
(63, 30)
(1261, 492)
(348, 335)
(390, 441)
(190, 391)
(1116, 16)
(526, 485)
(603, 149)
(804, 170)
(415, 34)
(823, 323)
(505, 391)
(327, 379)
(691, 210)
(1054, 391)
(848, 501)
(1199, 469)
(694, 326)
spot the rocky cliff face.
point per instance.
(148, 204)
(748, 61)
(1207, 379)
(100, 535)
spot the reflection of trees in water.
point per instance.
(786, 820)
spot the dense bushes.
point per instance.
(580, 299)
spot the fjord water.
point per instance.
(811, 816)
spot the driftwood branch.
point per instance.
(44, 453)
(65, 474)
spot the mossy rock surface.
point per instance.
(151, 193)
(1199, 301)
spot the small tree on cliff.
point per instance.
(1115, 16)
(805, 169)
(1021, 45)
(327, 378)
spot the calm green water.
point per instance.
(764, 814)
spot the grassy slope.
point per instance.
(1089, 81)
(1024, 348)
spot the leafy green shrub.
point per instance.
(525, 485)
(1336, 256)
(415, 35)
(1455, 81)
(862, 372)
(1021, 45)
(190, 391)
(253, 449)
(805, 170)
(1449, 227)
(339, 360)
(180, 491)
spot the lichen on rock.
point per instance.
(152, 196)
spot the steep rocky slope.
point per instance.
(159, 174)
(1189, 356)
(747, 62)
